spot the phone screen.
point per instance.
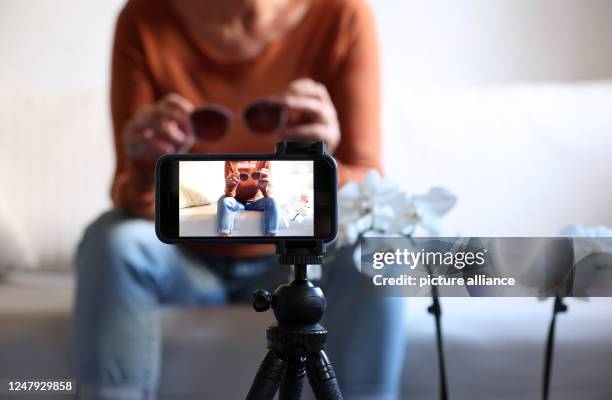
(246, 198)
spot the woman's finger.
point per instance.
(169, 131)
(154, 142)
(232, 181)
(168, 111)
(306, 87)
(178, 108)
(307, 105)
(177, 101)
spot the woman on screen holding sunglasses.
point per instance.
(228, 76)
(247, 187)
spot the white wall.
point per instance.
(470, 42)
(66, 43)
(60, 44)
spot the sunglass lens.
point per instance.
(244, 177)
(209, 124)
(264, 116)
(255, 175)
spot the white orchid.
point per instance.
(297, 209)
(379, 207)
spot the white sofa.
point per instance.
(523, 160)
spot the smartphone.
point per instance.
(246, 198)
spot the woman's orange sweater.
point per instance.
(248, 190)
(153, 55)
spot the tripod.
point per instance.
(296, 343)
(436, 310)
(559, 253)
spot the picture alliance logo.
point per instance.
(411, 259)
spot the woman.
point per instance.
(247, 187)
(169, 57)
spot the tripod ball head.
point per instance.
(299, 302)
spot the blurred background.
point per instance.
(507, 103)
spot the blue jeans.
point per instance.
(227, 206)
(125, 274)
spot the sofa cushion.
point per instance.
(35, 339)
(56, 162)
(14, 253)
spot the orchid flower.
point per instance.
(297, 209)
(379, 206)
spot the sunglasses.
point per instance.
(254, 175)
(263, 117)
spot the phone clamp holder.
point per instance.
(306, 149)
(296, 342)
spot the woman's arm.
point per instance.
(264, 182)
(232, 178)
(144, 128)
(131, 90)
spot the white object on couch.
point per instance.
(190, 197)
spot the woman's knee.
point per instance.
(226, 202)
(270, 203)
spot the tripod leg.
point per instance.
(268, 377)
(292, 385)
(558, 307)
(322, 377)
(436, 310)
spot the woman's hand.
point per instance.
(160, 129)
(232, 180)
(264, 180)
(312, 115)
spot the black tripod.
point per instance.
(436, 310)
(560, 275)
(296, 342)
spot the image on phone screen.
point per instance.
(234, 198)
